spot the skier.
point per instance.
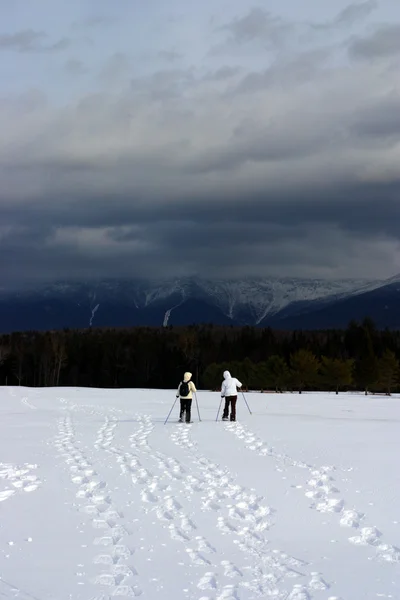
(185, 392)
(229, 392)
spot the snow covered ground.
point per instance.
(99, 499)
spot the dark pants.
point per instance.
(186, 407)
(230, 400)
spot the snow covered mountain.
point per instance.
(379, 301)
(286, 302)
(254, 301)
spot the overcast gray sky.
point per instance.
(213, 139)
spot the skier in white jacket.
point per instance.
(229, 389)
(186, 396)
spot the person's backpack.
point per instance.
(184, 389)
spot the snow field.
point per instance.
(99, 499)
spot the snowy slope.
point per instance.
(269, 296)
(99, 499)
(177, 301)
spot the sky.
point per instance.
(215, 139)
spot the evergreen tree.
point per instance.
(157, 357)
(246, 372)
(366, 372)
(260, 376)
(212, 377)
(304, 369)
(388, 368)
(4, 353)
(336, 373)
(189, 346)
(277, 373)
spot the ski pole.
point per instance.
(244, 397)
(197, 404)
(219, 408)
(170, 411)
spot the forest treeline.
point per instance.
(360, 357)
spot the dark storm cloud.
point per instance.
(285, 167)
(143, 228)
(207, 239)
(385, 42)
(351, 208)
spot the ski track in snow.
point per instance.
(116, 572)
(246, 518)
(24, 399)
(213, 534)
(325, 496)
(21, 477)
(240, 514)
(156, 497)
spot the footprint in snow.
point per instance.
(208, 581)
(330, 505)
(369, 536)
(204, 546)
(351, 518)
(6, 494)
(229, 592)
(197, 558)
(317, 582)
(299, 592)
(230, 570)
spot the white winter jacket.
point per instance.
(229, 385)
(192, 387)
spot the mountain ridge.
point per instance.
(130, 302)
